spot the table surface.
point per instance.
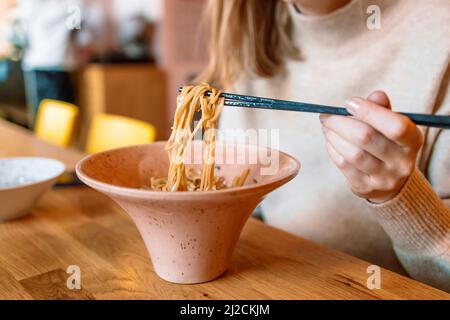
(79, 226)
(16, 141)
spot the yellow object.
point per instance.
(112, 131)
(55, 122)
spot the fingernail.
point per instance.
(352, 105)
(323, 118)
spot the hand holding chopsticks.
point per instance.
(238, 100)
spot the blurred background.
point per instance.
(68, 64)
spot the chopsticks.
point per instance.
(238, 100)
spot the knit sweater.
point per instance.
(408, 58)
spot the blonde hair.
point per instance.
(253, 36)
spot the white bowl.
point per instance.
(23, 181)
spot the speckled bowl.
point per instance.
(190, 235)
(23, 181)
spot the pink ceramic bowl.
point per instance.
(190, 235)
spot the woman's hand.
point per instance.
(376, 149)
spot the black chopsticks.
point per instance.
(239, 100)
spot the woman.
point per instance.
(386, 200)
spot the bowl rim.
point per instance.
(39, 181)
(151, 194)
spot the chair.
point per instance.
(111, 131)
(55, 122)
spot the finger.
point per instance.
(358, 180)
(380, 98)
(394, 126)
(354, 155)
(362, 135)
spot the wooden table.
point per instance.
(79, 226)
(16, 141)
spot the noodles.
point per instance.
(193, 99)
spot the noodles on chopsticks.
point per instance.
(193, 99)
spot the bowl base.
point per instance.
(192, 281)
